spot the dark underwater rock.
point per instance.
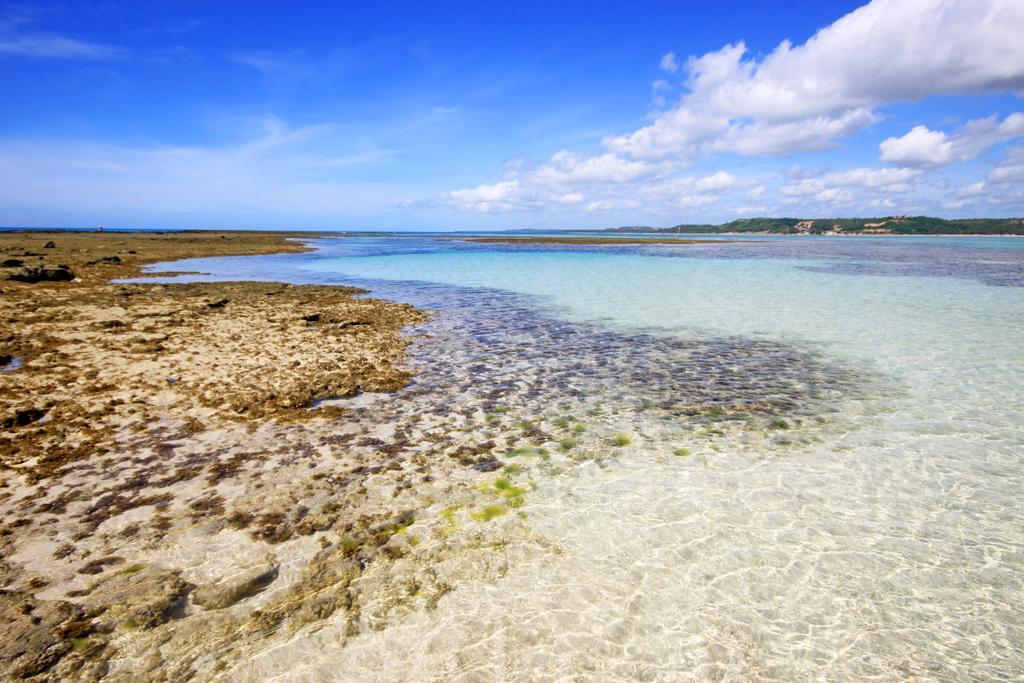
(35, 274)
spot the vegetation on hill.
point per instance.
(890, 225)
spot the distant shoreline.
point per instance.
(667, 234)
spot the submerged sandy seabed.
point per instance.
(174, 507)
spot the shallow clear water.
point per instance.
(880, 536)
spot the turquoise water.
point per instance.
(879, 537)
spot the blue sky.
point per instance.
(431, 116)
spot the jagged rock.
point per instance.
(36, 634)
(138, 596)
(488, 465)
(100, 565)
(43, 274)
(49, 245)
(236, 587)
(23, 417)
(12, 263)
(104, 260)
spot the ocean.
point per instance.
(776, 458)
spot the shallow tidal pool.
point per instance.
(781, 459)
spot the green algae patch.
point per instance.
(489, 512)
(491, 418)
(522, 452)
(448, 514)
(578, 429)
(515, 502)
(133, 569)
(622, 440)
(450, 525)
(528, 452)
(778, 424)
(508, 489)
(566, 444)
(682, 452)
(512, 470)
(561, 422)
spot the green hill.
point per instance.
(889, 225)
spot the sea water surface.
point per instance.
(853, 506)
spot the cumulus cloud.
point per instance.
(1011, 168)
(804, 97)
(885, 179)
(597, 185)
(669, 63)
(840, 187)
(795, 99)
(811, 96)
(973, 190)
(924, 147)
(919, 147)
(717, 182)
(568, 168)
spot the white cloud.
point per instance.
(809, 97)
(836, 188)
(888, 179)
(507, 195)
(1011, 168)
(280, 170)
(692, 191)
(669, 63)
(920, 147)
(717, 182)
(276, 64)
(973, 190)
(803, 188)
(54, 46)
(599, 181)
(804, 97)
(694, 201)
(657, 88)
(834, 195)
(568, 168)
(924, 147)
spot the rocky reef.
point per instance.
(193, 475)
